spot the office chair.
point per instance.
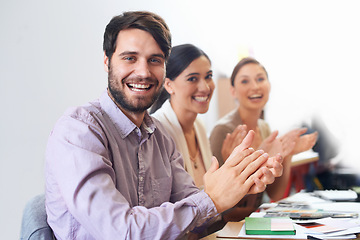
(34, 222)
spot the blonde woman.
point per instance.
(251, 87)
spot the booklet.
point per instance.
(269, 226)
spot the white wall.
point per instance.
(51, 58)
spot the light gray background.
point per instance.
(51, 58)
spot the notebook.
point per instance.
(269, 226)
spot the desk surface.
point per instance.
(232, 229)
(304, 157)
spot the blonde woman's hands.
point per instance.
(302, 142)
(271, 144)
(232, 140)
(276, 145)
(305, 142)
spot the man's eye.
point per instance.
(261, 79)
(129, 58)
(155, 60)
(210, 76)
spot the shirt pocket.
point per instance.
(161, 190)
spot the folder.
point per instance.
(269, 226)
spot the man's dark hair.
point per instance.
(146, 21)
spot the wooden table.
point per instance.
(231, 230)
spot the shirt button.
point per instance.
(141, 179)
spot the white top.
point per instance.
(168, 118)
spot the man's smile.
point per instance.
(139, 87)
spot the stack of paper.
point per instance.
(312, 218)
(330, 228)
(304, 211)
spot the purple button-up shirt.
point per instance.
(108, 179)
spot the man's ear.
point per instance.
(168, 86)
(106, 63)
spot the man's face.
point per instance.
(136, 70)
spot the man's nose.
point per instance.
(142, 69)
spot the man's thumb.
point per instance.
(214, 165)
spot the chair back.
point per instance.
(34, 222)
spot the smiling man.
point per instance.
(112, 171)
(136, 72)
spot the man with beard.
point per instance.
(112, 172)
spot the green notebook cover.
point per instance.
(269, 226)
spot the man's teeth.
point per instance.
(201, 99)
(138, 87)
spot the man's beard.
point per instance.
(120, 98)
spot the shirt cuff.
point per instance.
(206, 206)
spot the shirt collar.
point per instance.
(122, 123)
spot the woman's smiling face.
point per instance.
(193, 88)
(251, 87)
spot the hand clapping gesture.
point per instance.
(232, 140)
(303, 142)
(246, 171)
